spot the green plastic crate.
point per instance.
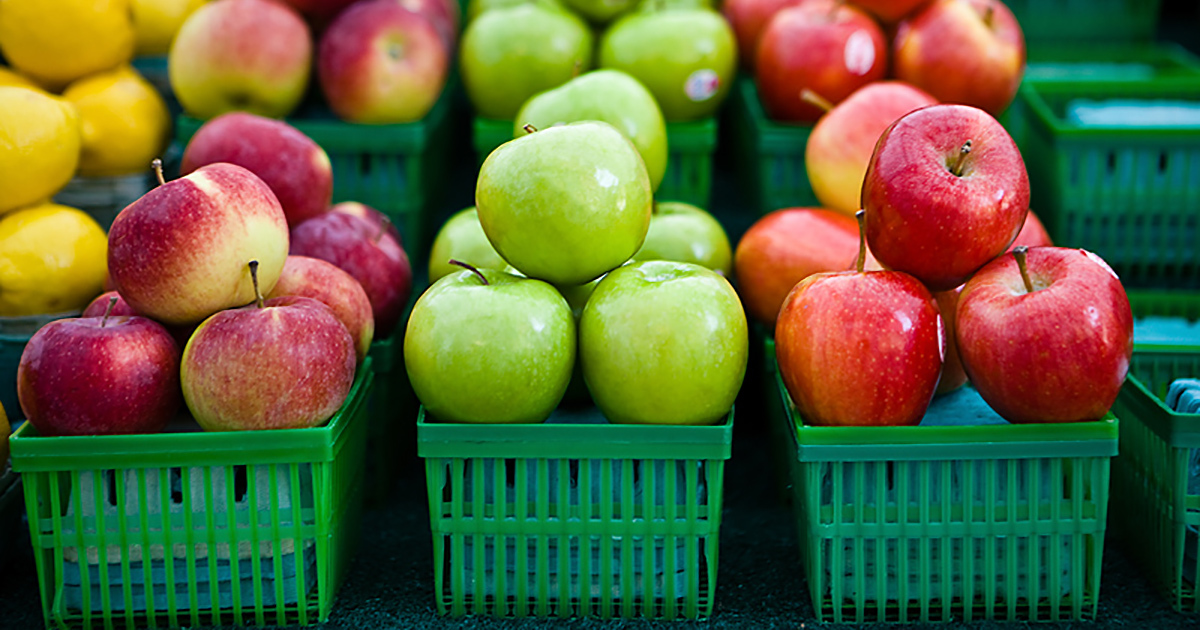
(1129, 194)
(690, 148)
(11, 509)
(654, 500)
(14, 334)
(1055, 22)
(770, 155)
(288, 504)
(950, 523)
(1156, 510)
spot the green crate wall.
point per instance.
(1057, 22)
(539, 470)
(122, 498)
(769, 156)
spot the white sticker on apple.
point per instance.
(701, 85)
(1100, 261)
(859, 53)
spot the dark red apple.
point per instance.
(319, 12)
(748, 18)
(889, 11)
(945, 192)
(376, 218)
(953, 376)
(1032, 234)
(104, 304)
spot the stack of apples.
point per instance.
(377, 61)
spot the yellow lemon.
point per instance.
(13, 79)
(123, 121)
(56, 42)
(53, 259)
(155, 23)
(39, 146)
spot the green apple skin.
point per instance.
(577, 296)
(612, 96)
(663, 343)
(462, 239)
(476, 7)
(600, 11)
(681, 232)
(500, 352)
(509, 54)
(686, 56)
(565, 204)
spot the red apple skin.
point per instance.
(296, 168)
(786, 246)
(181, 252)
(325, 282)
(372, 257)
(841, 143)
(1059, 354)
(889, 11)
(926, 221)
(287, 365)
(381, 63)
(99, 306)
(950, 51)
(443, 18)
(377, 219)
(953, 375)
(829, 49)
(860, 348)
(748, 18)
(319, 12)
(1032, 234)
(99, 376)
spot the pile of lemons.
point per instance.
(71, 105)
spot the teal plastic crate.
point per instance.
(1057, 22)
(191, 528)
(14, 334)
(943, 523)
(575, 517)
(1128, 193)
(769, 155)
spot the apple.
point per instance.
(945, 192)
(377, 219)
(685, 55)
(610, 96)
(860, 348)
(565, 204)
(476, 7)
(283, 363)
(104, 304)
(1046, 335)
(381, 63)
(970, 52)
(105, 375)
(841, 143)
(681, 232)
(319, 12)
(368, 254)
(577, 297)
(295, 168)
(241, 55)
(443, 14)
(889, 11)
(325, 282)
(786, 246)
(178, 254)
(830, 49)
(600, 11)
(155, 23)
(663, 342)
(953, 376)
(489, 347)
(748, 19)
(462, 239)
(509, 54)
(1032, 234)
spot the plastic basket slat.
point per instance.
(770, 155)
(1054, 22)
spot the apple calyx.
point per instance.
(384, 223)
(1019, 253)
(156, 164)
(957, 168)
(472, 269)
(812, 98)
(529, 128)
(258, 298)
(861, 261)
(112, 301)
(988, 15)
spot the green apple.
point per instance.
(577, 296)
(509, 54)
(565, 204)
(687, 56)
(613, 97)
(663, 343)
(488, 347)
(682, 232)
(600, 11)
(476, 7)
(462, 238)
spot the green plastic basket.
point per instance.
(11, 509)
(690, 148)
(15, 332)
(125, 528)
(1156, 509)
(950, 523)
(1129, 194)
(1055, 22)
(770, 155)
(642, 542)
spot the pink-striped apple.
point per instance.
(325, 282)
(377, 219)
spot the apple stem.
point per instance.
(258, 298)
(654, 207)
(812, 98)
(962, 156)
(988, 15)
(156, 164)
(384, 222)
(861, 262)
(112, 301)
(529, 128)
(577, 69)
(472, 269)
(1019, 254)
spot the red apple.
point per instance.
(179, 253)
(1032, 234)
(1046, 335)
(443, 17)
(381, 63)
(101, 305)
(786, 246)
(860, 348)
(99, 376)
(842, 141)
(748, 18)
(831, 49)
(319, 12)
(970, 52)
(325, 282)
(377, 219)
(953, 376)
(368, 254)
(945, 192)
(295, 167)
(889, 11)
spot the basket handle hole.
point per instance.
(240, 483)
(1162, 162)
(110, 485)
(1110, 163)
